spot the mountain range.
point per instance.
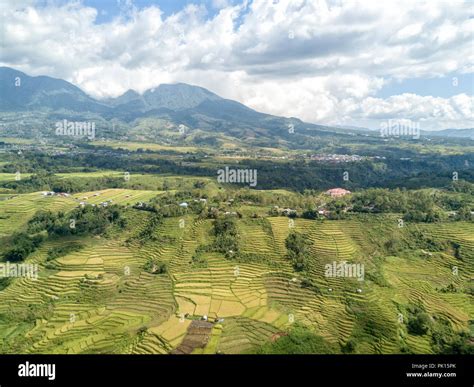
(165, 107)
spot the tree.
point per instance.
(419, 322)
(225, 231)
(297, 250)
(23, 245)
(464, 213)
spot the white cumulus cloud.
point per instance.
(322, 61)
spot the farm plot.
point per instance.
(116, 196)
(16, 211)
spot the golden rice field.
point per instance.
(101, 300)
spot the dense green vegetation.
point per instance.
(22, 245)
(298, 250)
(298, 341)
(80, 221)
(410, 170)
(225, 232)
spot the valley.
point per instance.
(143, 280)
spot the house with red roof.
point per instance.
(337, 192)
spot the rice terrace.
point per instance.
(237, 178)
(142, 281)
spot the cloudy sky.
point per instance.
(348, 63)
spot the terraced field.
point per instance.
(138, 145)
(89, 175)
(17, 209)
(101, 299)
(13, 176)
(116, 196)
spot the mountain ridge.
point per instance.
(171, 104)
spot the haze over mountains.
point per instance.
(176, 104)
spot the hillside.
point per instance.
(104, 298)
(452, 133)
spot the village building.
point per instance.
(337, 192)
